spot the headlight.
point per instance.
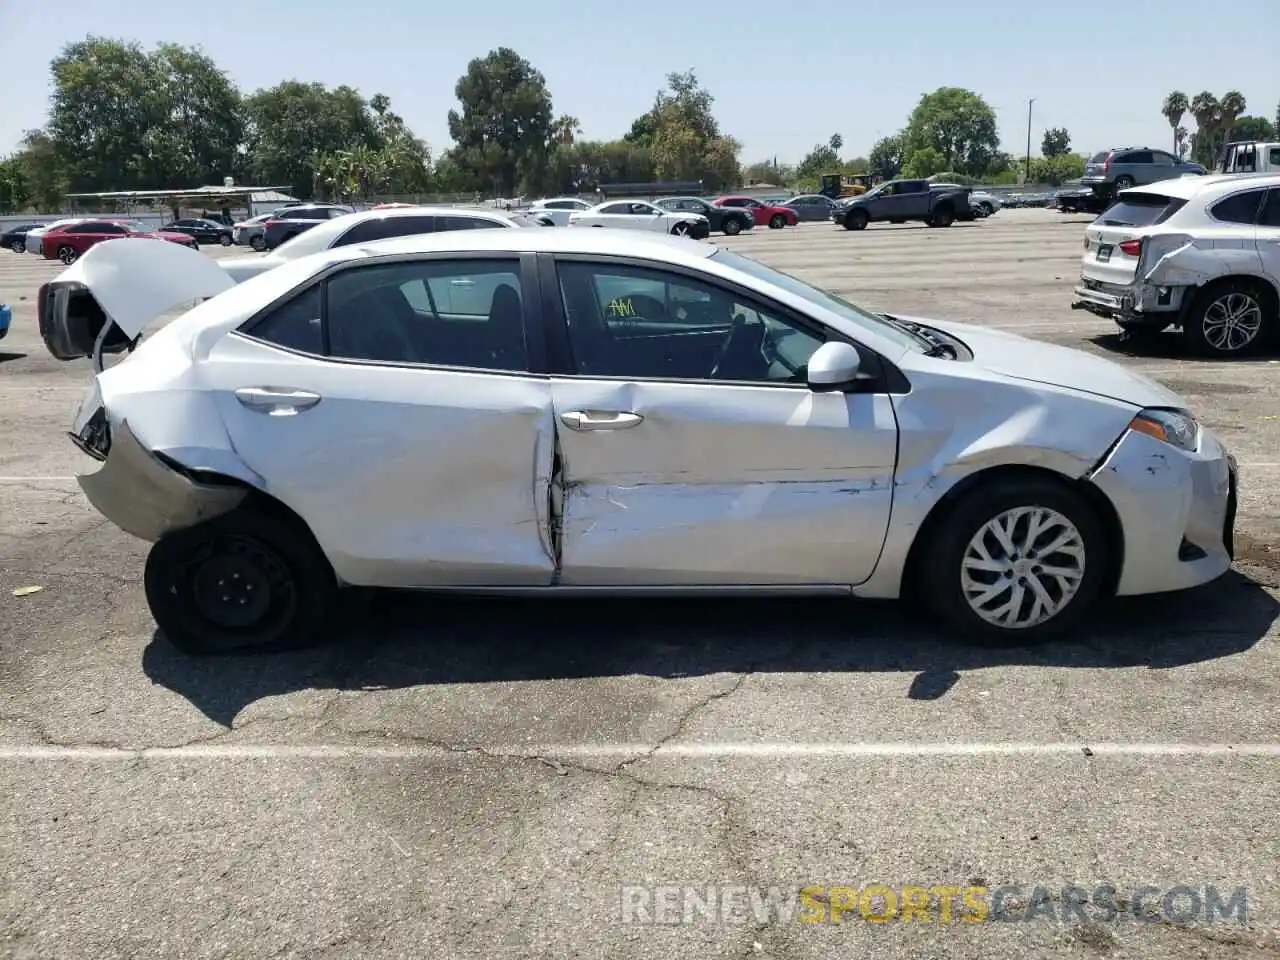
(1175, 427)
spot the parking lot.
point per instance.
(480, 777)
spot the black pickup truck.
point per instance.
(898, 201)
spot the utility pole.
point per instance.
(1027, 176)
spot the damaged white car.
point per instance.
(583, 411)
(1200, 253)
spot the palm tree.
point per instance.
(1205, 108)
(1174, 107)
(1230, 108)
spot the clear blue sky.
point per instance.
(782, 82)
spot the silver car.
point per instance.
(587, 411)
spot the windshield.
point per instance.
(821, 298)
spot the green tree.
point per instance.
(503, 130)
(1056, 142)
(823, 158)
(1174, 108)
(293, 124)
(1252, 128)
(925, 162)
(123, 118)
(957, 123)
(15, 192)
(1207, 112)
(684, 137)
(885, 159)
(1057, 169)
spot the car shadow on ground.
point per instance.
(1168, 345)
(399, 640)
(4, 357)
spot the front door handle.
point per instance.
(584, 420)
(277, 401)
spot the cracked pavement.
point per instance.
(425, 798)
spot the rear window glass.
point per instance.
(1099, 157)
(1140, 210)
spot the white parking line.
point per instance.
(623, 751)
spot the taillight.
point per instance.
(1131, 248)
(270, 223)
(1106, 164)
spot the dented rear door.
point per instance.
(409, 475)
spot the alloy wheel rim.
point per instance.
(1232, 322)
(1023, 567)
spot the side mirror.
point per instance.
(832, 366)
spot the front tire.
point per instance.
(246, 581)
(1229, 319)
(856, 220)
(1016, 562)
(225, 240)
(777, 222)
(987, 209)
(18, 246)
(680, 230)
(944, 216)
(732, 227)
(257, 243)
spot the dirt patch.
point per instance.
(1204, 388)
(1263, 556)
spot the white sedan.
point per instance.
(639, 215)
(579, 411)
(377, 224)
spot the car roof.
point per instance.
(321, 236)
(621, 243)
(1185, 188)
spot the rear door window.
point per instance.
(1140, 210)
(1238, 208)
(1137, 156)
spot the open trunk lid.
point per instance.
(103, 302)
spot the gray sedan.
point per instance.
(609, 411)
(811, 206)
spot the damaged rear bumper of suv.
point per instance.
(1136, 305)
(141, 493)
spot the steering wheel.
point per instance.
(737, 333)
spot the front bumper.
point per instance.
(1177, 511)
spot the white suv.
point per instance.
(1200, 253)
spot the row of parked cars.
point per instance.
(67, 239)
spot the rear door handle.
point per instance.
(585, 420)
(277, 401)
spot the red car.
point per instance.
(69, 242)
(765, 214)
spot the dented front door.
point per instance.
(717, 485)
